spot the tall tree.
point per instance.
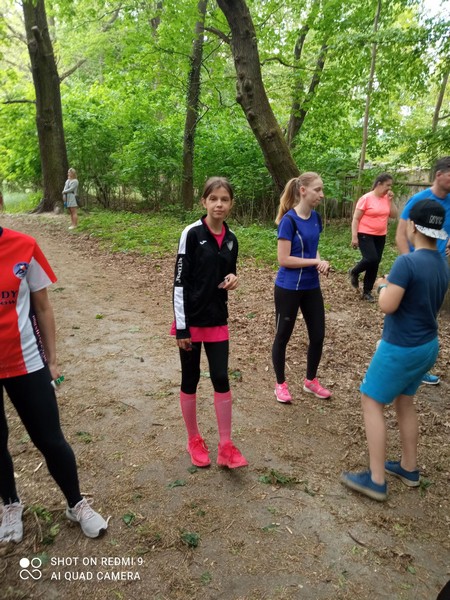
(251, 94)
(49, 120)
(192, 111)
(369, 93)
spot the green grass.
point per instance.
(19, 202)
(158, 233)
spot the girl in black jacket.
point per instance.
(204, 272)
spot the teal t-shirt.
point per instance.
(424, 275)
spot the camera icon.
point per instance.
(30, 568)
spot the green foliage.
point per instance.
(176, 483)
(335, 247)
(274, 477)
(128, 518)
(190, 539)
(158, 235)
(19, 202)
(84, 436)
(124, 99)
(48, 528)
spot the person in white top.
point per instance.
(70, 193)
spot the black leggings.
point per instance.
(287, 303)
(35, 402)
(217, 353)
(371, 247)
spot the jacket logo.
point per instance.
(179, 269)
(20, 269)
(230, 245)
(202, 242)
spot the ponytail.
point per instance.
(291, 193)
(289, 198)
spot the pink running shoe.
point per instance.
(199, 451)
(313, 387)
(229, 456)
(282, 393)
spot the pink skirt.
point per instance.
(206, 334)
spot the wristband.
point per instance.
(380, 287)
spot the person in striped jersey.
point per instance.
(28, 366)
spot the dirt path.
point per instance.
(282, 529)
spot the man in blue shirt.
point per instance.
(439, 191)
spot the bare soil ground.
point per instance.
(284, 528)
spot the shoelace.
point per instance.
(84, 511)
(11, 515)
(199, 442)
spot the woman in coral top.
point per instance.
(369, 228)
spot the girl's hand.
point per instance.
(230, 282)
(390, 195)
(324, 267)
(54, 370)
(185, 344)
(354, 243)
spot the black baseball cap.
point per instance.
(429, 216)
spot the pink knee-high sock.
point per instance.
(222, 404)
(188, 403)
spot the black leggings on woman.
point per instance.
(34, 399)
(217, 353)
(287, 303)
(371, 248)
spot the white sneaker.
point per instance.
(11, 529)
(91, 523)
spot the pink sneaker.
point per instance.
(313, 387)
(282, 393)
(199, 451)
(229, 456)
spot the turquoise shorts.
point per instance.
(396, 370)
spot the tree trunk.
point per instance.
(193, 98)
(49, 119)
(368, 98)
(251, 94)
(299, 111)
(440, 99)
(299, 82)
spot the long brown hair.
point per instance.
(216, 182)
(291, 193)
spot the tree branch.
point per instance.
(72, 70)
(16, 34)
(18, 102)
(107, 26)
(285, 64)
(220, 34)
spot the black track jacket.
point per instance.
(201, 266)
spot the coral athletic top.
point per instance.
(376, 214)
(23, 269)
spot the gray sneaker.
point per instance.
(367, 296)
(11, 529)
(91, 523)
